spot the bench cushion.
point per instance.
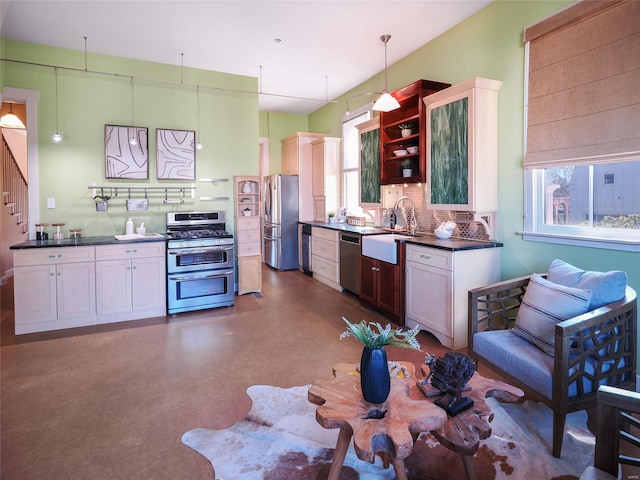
(606, 287)
(530, 365)
(545, 304)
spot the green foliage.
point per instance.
(623, 221)
(405, 126)
(406, 163)
(381, 336)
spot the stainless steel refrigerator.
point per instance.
(280, 235)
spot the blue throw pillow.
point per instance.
(543, 306)
(606, 287)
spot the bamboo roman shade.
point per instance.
(584, 85)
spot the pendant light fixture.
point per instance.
(56, 137)
(11, 120)
(198, 144)
(386, 102)
(133, 141)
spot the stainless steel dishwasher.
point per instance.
(306, 248)
(350, 262)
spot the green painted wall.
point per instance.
(276, 126)
(88, 101)
(489, 44)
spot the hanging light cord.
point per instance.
(55, 71)
(133, 103)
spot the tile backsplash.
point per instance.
(469, 225)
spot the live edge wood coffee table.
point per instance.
(390, 429)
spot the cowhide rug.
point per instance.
(279, 439)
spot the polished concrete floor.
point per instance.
(113, 402)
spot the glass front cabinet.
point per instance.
(462, 146)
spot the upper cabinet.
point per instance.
(462, 146)
(325, 177)
(297, 160)
(409, 144)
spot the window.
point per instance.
(351, 156)
(582, 158)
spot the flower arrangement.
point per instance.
(331, 214)
(380, 336)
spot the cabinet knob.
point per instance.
(426, 257)
(52, 256)
(59, 255)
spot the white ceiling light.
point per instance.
(133, 141)
(11, 120)
(386, 102)
(56, 137)
(198, 144)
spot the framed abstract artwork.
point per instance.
(126, 152)
(176, 154)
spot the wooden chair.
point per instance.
(596, 348)
(617, 434)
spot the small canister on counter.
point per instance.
(40, 233)
(58, 234)
(75, 233)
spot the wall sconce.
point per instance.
(386, 102)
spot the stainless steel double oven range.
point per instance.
(200, 262)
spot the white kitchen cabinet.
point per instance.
(325, 256)
(130, 281)
(54, 288)
(297, 160)
(465, 114)
(437, 286)
(325, 154)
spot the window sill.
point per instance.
(564, 239)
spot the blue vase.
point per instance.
(374, 375)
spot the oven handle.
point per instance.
(200, 250)
(202, 277)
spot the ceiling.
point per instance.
(303, 52)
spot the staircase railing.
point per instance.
(15, 190)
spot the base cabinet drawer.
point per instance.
(326, 271)
(325, 249)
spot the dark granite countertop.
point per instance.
(423, 239)
(85, 242)
(343, 227)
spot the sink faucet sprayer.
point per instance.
(412, 225)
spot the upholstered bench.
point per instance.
(557, 336)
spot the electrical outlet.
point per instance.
(51, 203)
